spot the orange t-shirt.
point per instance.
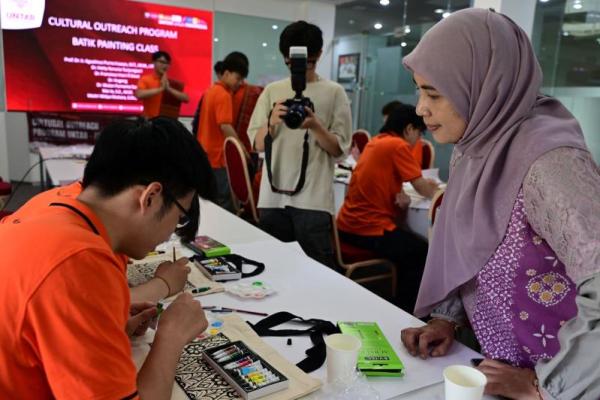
(152, 103)
(68, 302)
(369, 208)
(417, 152)
(41, 201)
(217, 109)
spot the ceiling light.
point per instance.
(377, 26)
(407, 29)
(384, 2)
(439, 11)
(566, 33)
(264, 44)
(446, 14)
(351, 21)
(216, 39)
(403, 44)
(577, 6)
(275, 27)
(544, 1)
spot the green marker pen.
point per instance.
(200, 290)
(159, 308)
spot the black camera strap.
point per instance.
(268, 153)
(315, 356)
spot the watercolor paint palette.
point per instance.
(250, 375)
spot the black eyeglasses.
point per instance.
(184, 219)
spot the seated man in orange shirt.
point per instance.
(370, 213)
(170, 278)
(216, 123)
(417, 146)
(66, 292)
(151, 86)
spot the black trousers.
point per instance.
(405, 249)
(311, 228)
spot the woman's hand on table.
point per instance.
(508, 381)
(433, 339)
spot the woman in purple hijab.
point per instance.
(515, 252)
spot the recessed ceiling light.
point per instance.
(403, 44)
(566, 33)
(384, 2)
(439, 11)
(407, 29)
(544, 1)
(275, 27)
(377, 26)
(577, 6)
(351, 21)
(446, 14)
(216, 39)
(264, 44)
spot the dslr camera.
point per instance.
(296, 113)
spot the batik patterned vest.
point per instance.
(523, 297)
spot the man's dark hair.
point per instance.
(389, 107)
(401, 117)
(301, 33)
(159, 54)
(238, 55)
(234, 64)
(218, 68)
(129, 153)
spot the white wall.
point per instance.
(520, 11)
(14, 145)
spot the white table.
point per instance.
(68, 168)
(308, 289)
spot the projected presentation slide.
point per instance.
(69, 56)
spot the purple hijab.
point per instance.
(484, 64)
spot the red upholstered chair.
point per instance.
(428, 154)
(5, 191)
(360, 138)
(239, 180)
(434, 208)
(351, 258)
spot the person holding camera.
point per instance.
(303, 124)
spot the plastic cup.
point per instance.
(342, 354)
(463, 383)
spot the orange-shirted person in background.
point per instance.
(66, 292)
(216, 123)
(417, 148)
(369, 217)
(170, 277)
(151, 86)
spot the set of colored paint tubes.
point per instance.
(250, 375)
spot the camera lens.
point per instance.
(295, 116)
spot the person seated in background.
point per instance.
(67, 293)
(369, 217)
(216, 123)
(515, 250)
(417, 146)
(151, 86)
(169, 278)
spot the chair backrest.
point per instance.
(337, 249)
(436, 202)
(428, 154)
(239, 177)
(360, 138)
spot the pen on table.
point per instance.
(227, 309)
(174, 254)
(200, 290)
(476, 361)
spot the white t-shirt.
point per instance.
(333, 110)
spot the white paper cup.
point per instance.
(463, 383)
(342, 354)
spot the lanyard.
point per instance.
(78, 212)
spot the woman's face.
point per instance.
(442, 120)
